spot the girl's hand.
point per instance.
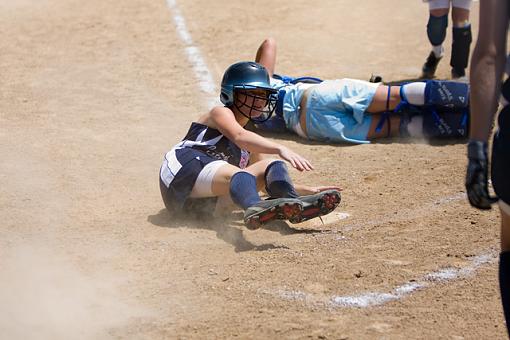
(296, 160)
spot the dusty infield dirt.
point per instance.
(92, 94)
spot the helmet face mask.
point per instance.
(246, 87)
(255, 104)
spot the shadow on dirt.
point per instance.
(230, 229)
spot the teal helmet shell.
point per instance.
(243, 75)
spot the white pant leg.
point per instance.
(465, 4)
(203, 184)
(441, 4)
(438, 4)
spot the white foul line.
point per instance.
(370, 299)
(443, 275)
(202, 73)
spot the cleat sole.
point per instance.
(323, 205)
(284, 211)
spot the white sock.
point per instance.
(414, 93)
(438, 51)
(415, 127)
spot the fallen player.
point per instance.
(357, 111)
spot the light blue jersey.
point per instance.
(335, 109)
(291, 102)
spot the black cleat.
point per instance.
(317, 205)
(273, 209)
(429, 68)
(375, 78)
(458, 73)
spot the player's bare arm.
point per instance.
(487, 67)
(266, 55)
(224, 120)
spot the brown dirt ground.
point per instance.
(92, 93)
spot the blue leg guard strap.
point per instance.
(243, 189)
(278, 182)
(385, 116)
(436, 29)
(504, 285)
(403, 100)
(448, 94)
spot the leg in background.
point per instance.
(436, 32)
(461, 42)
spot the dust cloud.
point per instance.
(43, 296)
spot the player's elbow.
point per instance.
(489, 52)
(270, 42)
(239, 139)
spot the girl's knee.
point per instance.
(460, 17)
(260, 166)
(439, 12)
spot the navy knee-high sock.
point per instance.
(504, 285)
(278, 182)
(243, 189)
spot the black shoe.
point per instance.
(458, 73)
(375, 79)
(429, 68)
(269, 210)
(317, 205)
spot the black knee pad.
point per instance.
(500, 167)
(461, 44)
(436, 29)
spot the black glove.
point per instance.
(476, 176)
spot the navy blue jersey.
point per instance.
(183, 163)
(213, 143)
